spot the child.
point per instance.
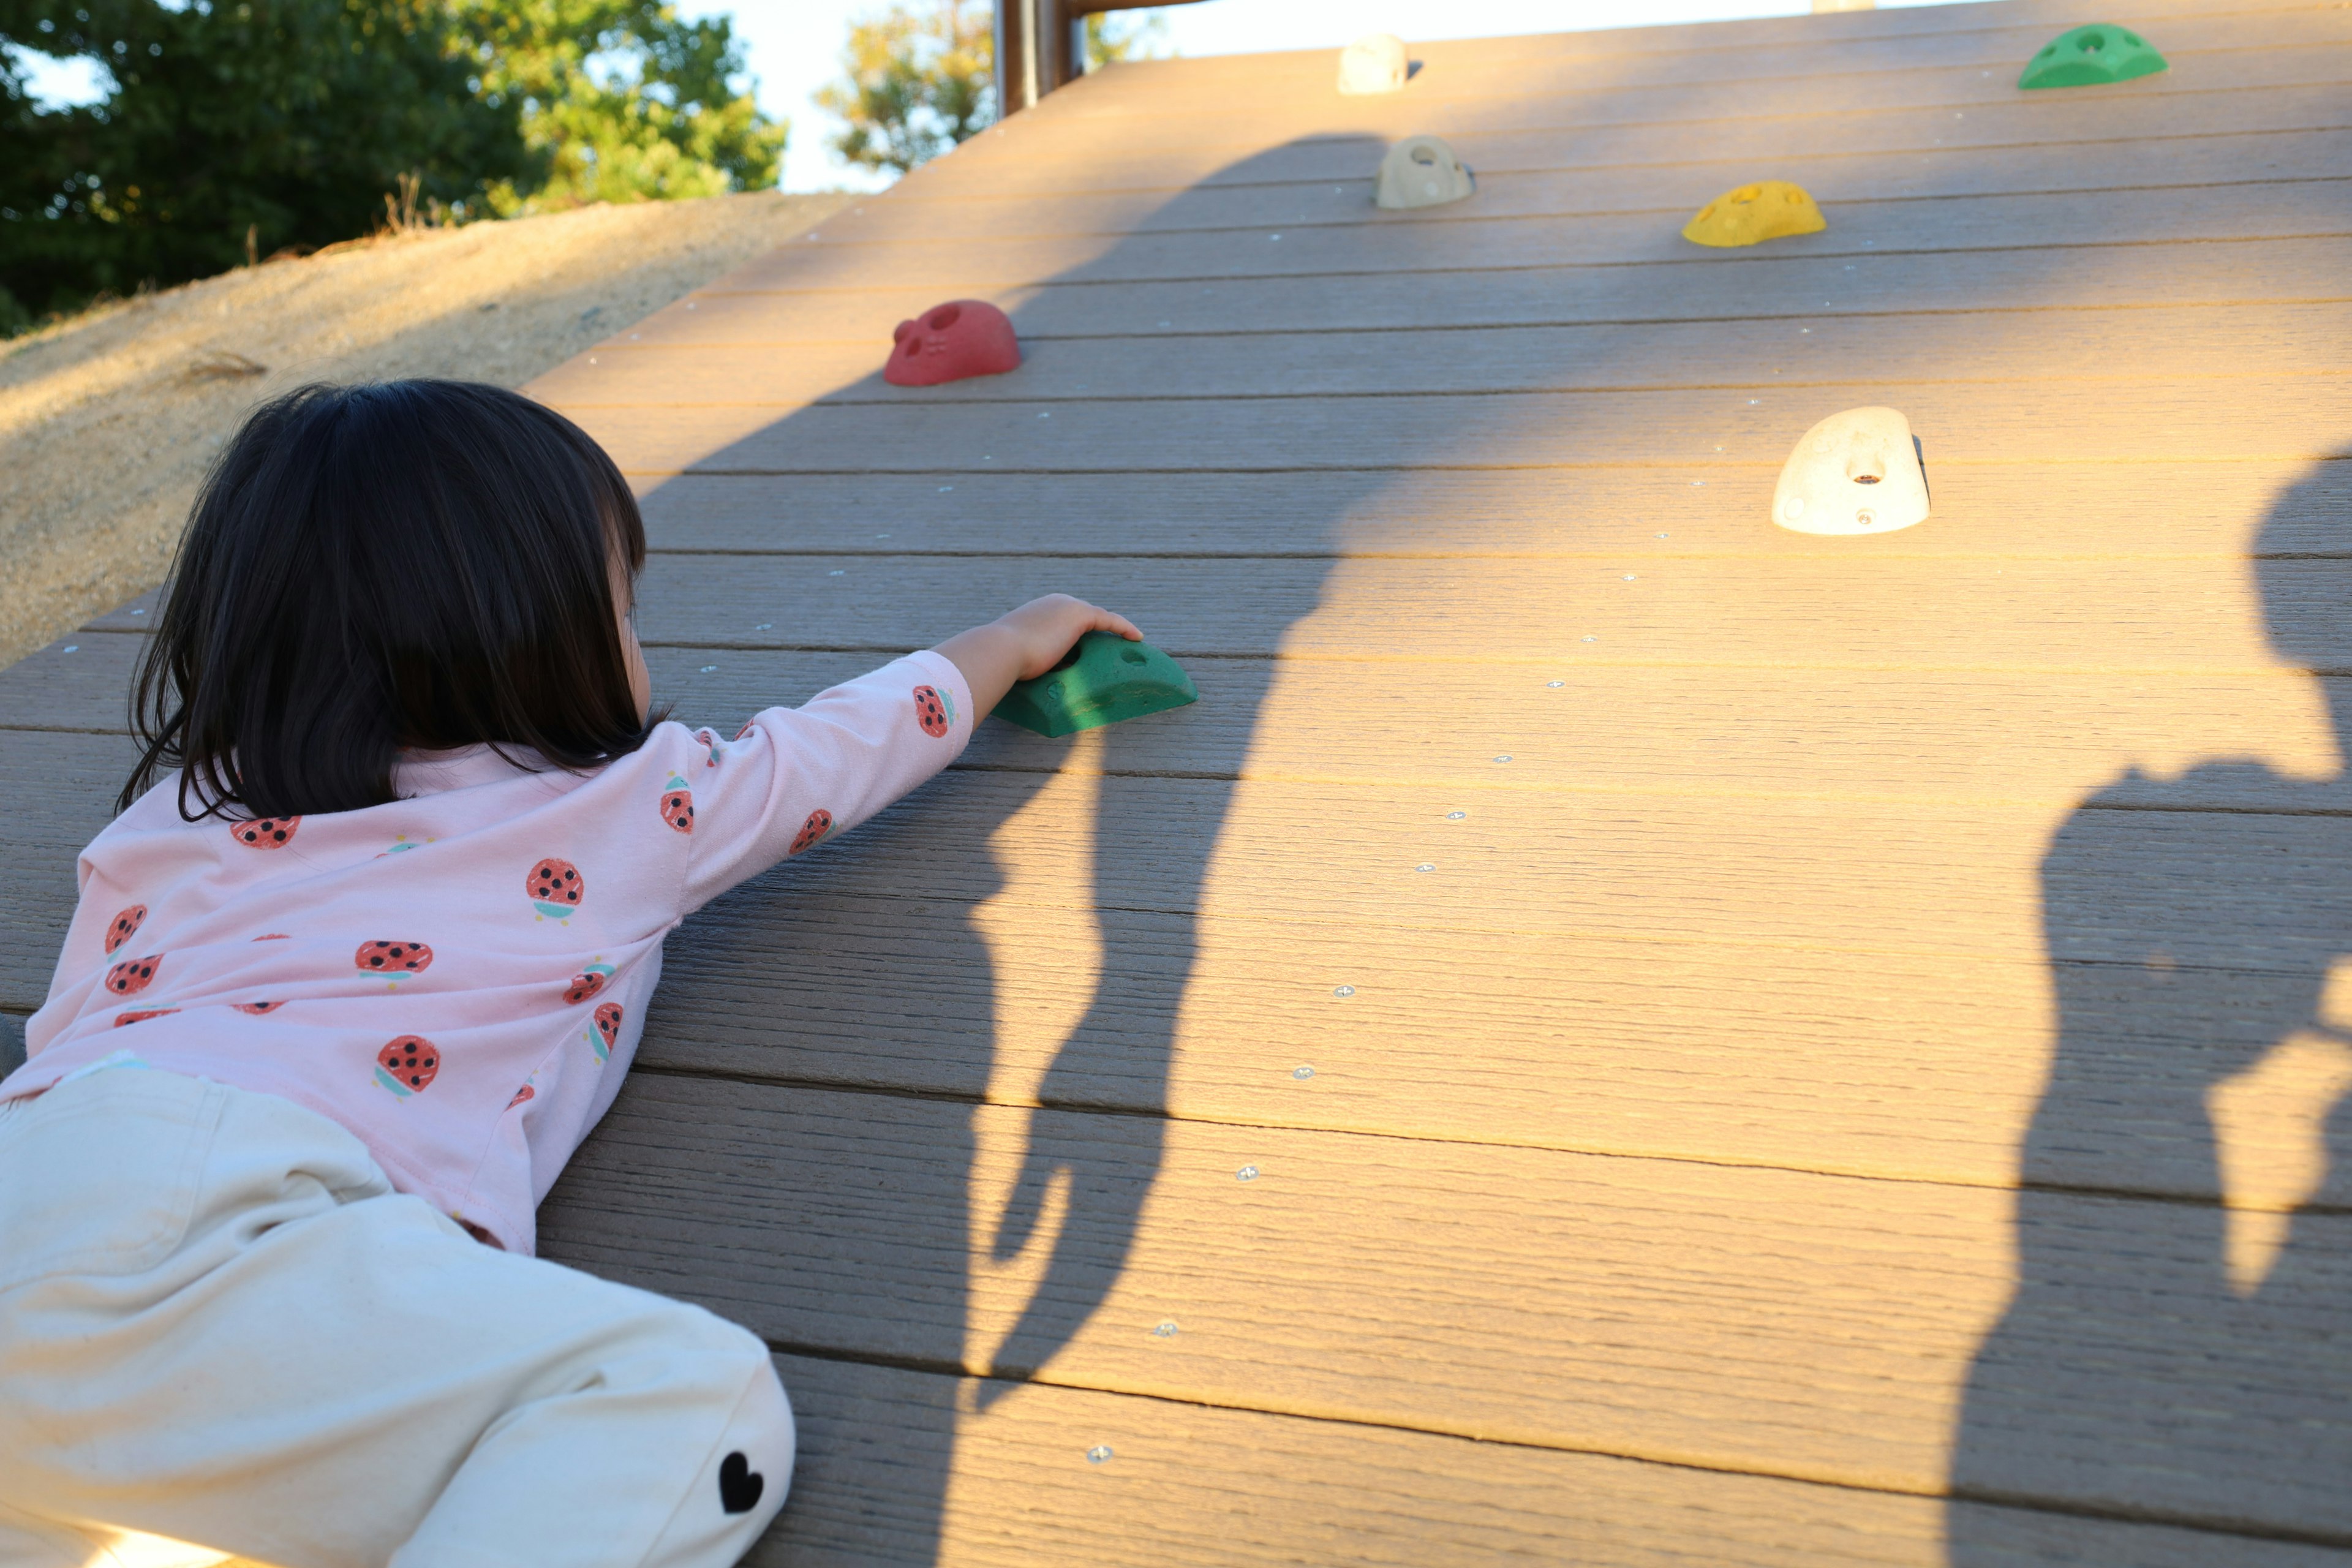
(348, 985)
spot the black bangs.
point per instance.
(415, 564)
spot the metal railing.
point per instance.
(1041, 45)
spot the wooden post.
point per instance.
(1041, 45)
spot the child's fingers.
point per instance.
(1112, 621)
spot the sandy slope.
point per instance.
(108, 421)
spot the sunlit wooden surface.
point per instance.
(1613, 1033)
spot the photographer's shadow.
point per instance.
(2171, 1357)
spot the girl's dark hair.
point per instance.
(413, 563)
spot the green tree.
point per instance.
(917, 80)
(236, 128)
(621, 100)
(1116, 36)
(232, 124)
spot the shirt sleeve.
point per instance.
(794, 777)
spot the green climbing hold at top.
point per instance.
(2088, 56)
(1104, 678)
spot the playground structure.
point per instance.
(1613, 1031)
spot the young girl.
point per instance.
(348, 985)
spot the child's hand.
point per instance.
(1026, 643)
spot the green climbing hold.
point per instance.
(1104, 678)
(2088, 56)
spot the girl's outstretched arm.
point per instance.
(1025, 643)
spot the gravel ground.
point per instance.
(107, 421)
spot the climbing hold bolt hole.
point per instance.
(1132, 655)
(945, 317)
(1069, 658)
(2091, 43)
(1867, 478)
(1423, 155)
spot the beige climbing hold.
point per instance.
(1373, 63)
(1766, 210)
(1855, 472)
(1421, 171)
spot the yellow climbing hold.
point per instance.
(1766, 210)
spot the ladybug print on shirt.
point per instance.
(555, 887)
(934, 711)
(266, 832)
(258, 1007)
(122, 1019)
(606, 1031)
(121, 929)
(130, 976)
(587, 982)
(393, 958)
(525, 1092)
(678, 805)
(811, 833)
(407, 1065)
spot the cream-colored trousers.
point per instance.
(220, 1327)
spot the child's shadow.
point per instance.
(915, 880)
(2174, 1359)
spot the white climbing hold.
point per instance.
(1373, 63)
(1854, 472)
(1421, 171)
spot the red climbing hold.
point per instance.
(953, 341)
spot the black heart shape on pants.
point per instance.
(739, 1485)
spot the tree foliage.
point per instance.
(915, 83)
(238, 128)
(916, 79)
(621, 100)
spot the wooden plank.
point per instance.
(900, 1466)
(2279, 271)
(1298, 84)
(2181, 509)
(1832, 610)
(1391, 243)
(1713, 434)
(87, 687)
(68, 782)
(1768, 1322)
(1888, 734)
(2161, 343)
(1839, 179)
(1604, 129)
(1855, 1063)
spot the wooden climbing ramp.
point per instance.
(1613, 1033)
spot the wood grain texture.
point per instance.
(2158, 343)
(1624, 128)
(1181, 1475)
(2204, 49)
(1768, 1322)
(1837, 608)
(1966, 735)
(2276, 419)
(68, 782)
(1852, 174)
(2249, 209)
(1772, 286)
(2020, 510)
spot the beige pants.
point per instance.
(220, 1326)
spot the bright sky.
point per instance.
(794, 46)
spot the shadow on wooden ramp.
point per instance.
(2103, 1361)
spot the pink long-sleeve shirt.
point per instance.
(460, 977)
